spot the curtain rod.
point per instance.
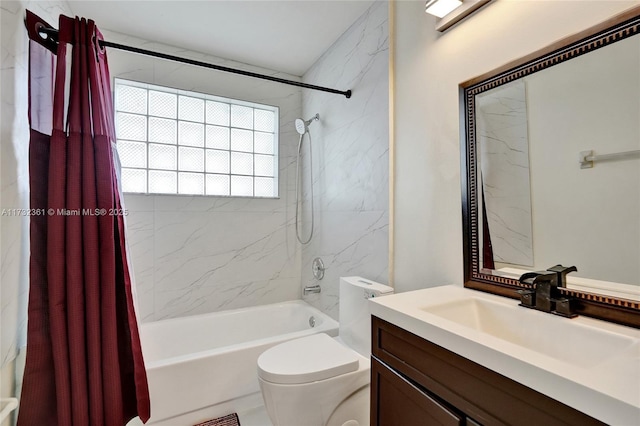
(53, 34)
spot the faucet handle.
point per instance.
(561, 273)
(564, 308)
(527, 298)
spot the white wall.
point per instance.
(14, 150)
(428, 69)
(350, 159)
(194, 254)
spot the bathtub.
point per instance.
(198, 362)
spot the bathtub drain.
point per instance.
(312, 321)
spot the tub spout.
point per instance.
(311, 289)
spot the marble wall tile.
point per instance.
(351, 138)
(223, 296)
(349, 243)
(504, 161)
(212, 248)
(350, 159)
(140, 240)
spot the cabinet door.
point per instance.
(483, 394)
(397, 402)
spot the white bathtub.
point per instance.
(205, 360)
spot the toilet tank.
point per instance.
(355, 316)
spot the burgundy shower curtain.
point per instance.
(84, 364)
(487, 247)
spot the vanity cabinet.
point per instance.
(415, 382)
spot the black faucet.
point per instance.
(543, 294)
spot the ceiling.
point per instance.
(286, 36)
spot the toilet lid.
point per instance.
(305, 360)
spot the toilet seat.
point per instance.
(308, 359)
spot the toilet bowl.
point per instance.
(319, 380)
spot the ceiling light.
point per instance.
(441, 8)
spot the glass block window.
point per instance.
(177, 142)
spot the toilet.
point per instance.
(319, 380)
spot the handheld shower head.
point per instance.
(302, 126)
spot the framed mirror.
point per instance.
(550, 144)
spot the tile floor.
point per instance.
(255, 417)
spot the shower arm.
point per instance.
(314, 118)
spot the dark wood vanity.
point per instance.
(415, 382)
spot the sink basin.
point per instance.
(559, 338)
(590, 365)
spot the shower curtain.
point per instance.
(487, 248)
(84, 364)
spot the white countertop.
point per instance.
(606, 387)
